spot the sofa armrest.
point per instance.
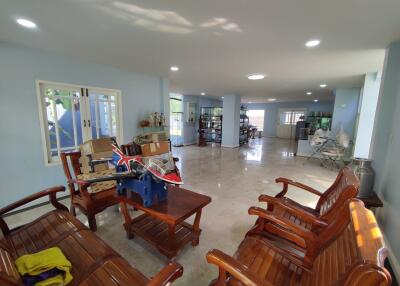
(228, 264)
(301, 213)
(286, 182)
(51, 192)
(168, 274)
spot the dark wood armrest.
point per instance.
(227, 264)
(51, 192)
(168, 274)
(304, 233)
(301, 213)
(287, 182)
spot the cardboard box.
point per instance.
(97, 146)
(97, 149)
(156, 148)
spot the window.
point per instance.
(290, 117)
(72, 114)
(256, 118)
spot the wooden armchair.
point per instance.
(345, 187)
(349, 251)
(90, 203)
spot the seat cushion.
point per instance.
(98, 187)
(267, 263)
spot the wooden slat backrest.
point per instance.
(345, 187)
(68, 159)
(8, 272)
(355, 253)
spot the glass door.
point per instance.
(176, 122)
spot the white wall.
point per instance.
(22, 166)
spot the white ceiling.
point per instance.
(216, 43)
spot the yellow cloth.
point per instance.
(45, 260)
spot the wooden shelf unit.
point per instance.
(244, 126)
(210, 125)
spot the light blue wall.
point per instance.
(190, 135)
(230, 121)
(345, 110)
(271, 111)
(368, 105)
(22, 165)
(386, 153)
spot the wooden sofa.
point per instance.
(344, 187)
(93, 261)
(349, 251)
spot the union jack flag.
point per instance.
(120, 159)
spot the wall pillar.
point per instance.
(368, 103)
(230, 121)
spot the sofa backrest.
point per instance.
(8, 271)
(345, 187)
(352, 251)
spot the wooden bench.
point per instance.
(349, 251)
(93, 261)
(344, 187)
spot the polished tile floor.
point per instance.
(233, 178)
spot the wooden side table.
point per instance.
(163, 225)
(372, 202)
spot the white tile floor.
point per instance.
(234, 178)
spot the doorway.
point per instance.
(287, 122)
(176, 120)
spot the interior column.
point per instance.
(230, 121)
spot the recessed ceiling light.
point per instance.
(271, 99)
(203, 93)
(222, 97)
(26, 23)
(174, 68)
(256, 76)
(309, 93)
(313, 43)
(322, 85)
(315, 100)
(250, 102)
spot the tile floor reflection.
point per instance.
(234, 178)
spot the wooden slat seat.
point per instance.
(349, 251)
(345, 187)
(93, 261)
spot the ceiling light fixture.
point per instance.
(26, 23)
(271, 99)
(256, 76)
(322, 85)
(250, 102)
(315, 100)
(313, 43)
(222, 97)
(174, 68)
(309, 93)
(203, 93)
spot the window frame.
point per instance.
(55, 160)
(291, 111)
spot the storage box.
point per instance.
(97, 149)
(97, 146)
(156, 148)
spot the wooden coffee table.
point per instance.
(163, 225)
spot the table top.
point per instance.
(179, 205)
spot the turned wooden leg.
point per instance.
(72, 210)
(92, 222)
